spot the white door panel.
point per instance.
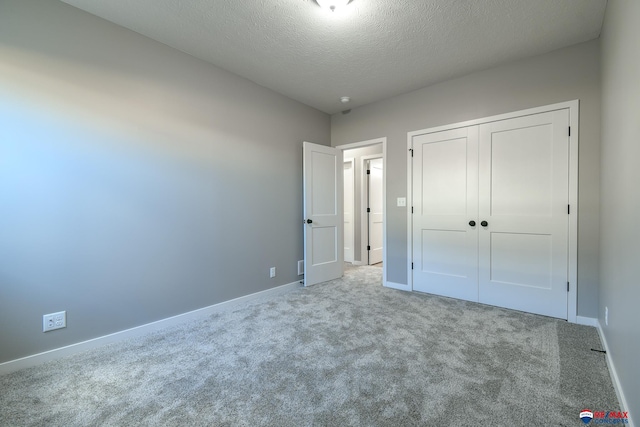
(323, 184)
(521, 170)
(445, 192)
(521, 259)
(444, 252)
(523, 197)
(444, 177)
(325, 244)
(375, 214)
(323, 172)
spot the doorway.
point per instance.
(365, 222)
(323, 209)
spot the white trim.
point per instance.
(353, 205)
(572, 267)
(398, 286)
(409, 207)
(587, 321)
(366, 143)
(361, 144)
(506, 116)
(46, 356)
(574, 113)
(624, 406)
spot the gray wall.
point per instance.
(357, 154)
(620, 232)
(136, 182)
(562, 75)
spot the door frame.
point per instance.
(353, 204)
(369, 142)
(574, 110)
(364, 218)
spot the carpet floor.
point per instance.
(344, 353)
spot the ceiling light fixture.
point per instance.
(332, 5)
(345, 99)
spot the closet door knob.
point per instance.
(484, 223)
(309, 221)
(472, 223)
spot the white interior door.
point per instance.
(349, 207)
(323, 211)
(375, 211)
(524, 182)
(445, 200)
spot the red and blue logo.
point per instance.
(604, 417)
(586, 416)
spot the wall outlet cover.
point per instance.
(54, 321)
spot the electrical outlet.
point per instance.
(300, 267)
(54, 321)
(272, 272)
(606, 316)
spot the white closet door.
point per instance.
(523, 192)
(445, 200)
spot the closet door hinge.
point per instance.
(368, 247)
(411, 149)
(368, 210)
(569, 130)
(368, 172)
(567, 286)
(411, 209)
(412, 266)
(568, 209)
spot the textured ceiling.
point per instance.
(371, 50)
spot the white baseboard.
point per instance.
(587, 321)
(614, 375)
(399, 286)
(36, 359)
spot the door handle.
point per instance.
(309, 221)
(484, 223)
(472, 223)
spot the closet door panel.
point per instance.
(445, 199)
(523, 197)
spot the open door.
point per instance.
(323, 172)
(374, 210)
